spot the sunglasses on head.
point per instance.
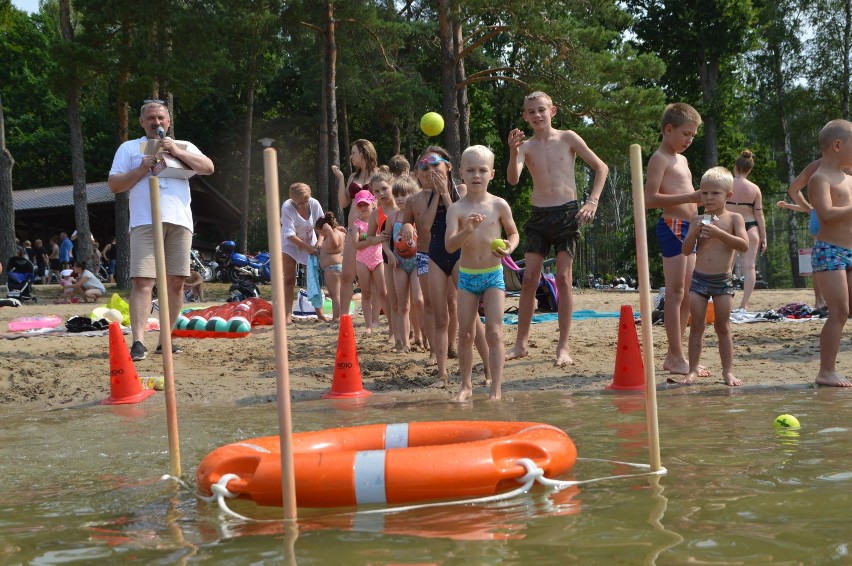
(431, 160)
(150, 100)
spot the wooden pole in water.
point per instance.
(645, 306)
(282, 366)
(165, 327)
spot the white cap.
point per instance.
(65, 273)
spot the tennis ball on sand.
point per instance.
(498, 244)
(787, 421)
(432, 124)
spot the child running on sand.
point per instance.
(475, 224)
(331, 237)
(550, 156)
(368, 263)
(668, 186)
(830, 189)
(718, 235)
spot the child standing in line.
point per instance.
(331, 238)
(668, 186)
(718, 235)
(830, 189)
(378, 232)
(554, 222)
(475, 224)
(368, 263)
(404, 263)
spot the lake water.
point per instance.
(82, 486)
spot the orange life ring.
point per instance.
(391, 463)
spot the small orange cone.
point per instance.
(347, 371)
(629, 370)
(124, 386)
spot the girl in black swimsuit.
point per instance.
(754, 223)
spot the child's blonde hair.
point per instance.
(678, 114)
(536, 95)
(405, 186)
(834, 130)
(383, 175)
(478, 151)
(718, 176)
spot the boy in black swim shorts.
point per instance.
(550, 155)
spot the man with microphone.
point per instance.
(130, 171)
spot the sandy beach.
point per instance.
(54, 371)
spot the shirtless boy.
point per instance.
(830, 190)
(668, 185)
(475, 224)
(550, 156)
(718, 235)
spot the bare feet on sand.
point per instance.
(432, 361)
(731, 380)
(452, 354)
(563, 358)
(688, 380)
(833, 379)
(517, 351)
(681, 367)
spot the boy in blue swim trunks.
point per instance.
(668, 186)
(475, 224)
(830, 190)
(718, 234)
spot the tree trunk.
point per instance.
(709, 75)
(344, 126)
(461, 92)
(122, 200)
(328, 182)
(78, 164)
(247, 144)
(448, 84)
(7, 206)
(792, 225)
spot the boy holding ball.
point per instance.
(718, 234)
(475, 224)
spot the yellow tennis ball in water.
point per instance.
(498, 244)
(786, 421)
(432, 124)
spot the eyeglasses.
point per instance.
(150, 100)
(431, 160)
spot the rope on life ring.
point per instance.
(533, 474)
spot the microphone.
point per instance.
(161, 132)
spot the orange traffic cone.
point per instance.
(347, 371)
(124, 386)
(629, 370)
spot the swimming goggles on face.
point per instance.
(431, 160)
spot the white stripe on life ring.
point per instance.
(396, 436)
(370, 477)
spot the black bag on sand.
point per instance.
(85, 324)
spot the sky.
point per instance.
(28, 5)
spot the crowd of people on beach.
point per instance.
(426, 244)
(426, 249)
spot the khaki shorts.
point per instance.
(177, 242)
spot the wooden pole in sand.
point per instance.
(645, 306)
(165, 327)
(282, 366)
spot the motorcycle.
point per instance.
(236, 267)
(205, 268)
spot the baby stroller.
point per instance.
(20, 275)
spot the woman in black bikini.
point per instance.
(364, 163)
(748, 202)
